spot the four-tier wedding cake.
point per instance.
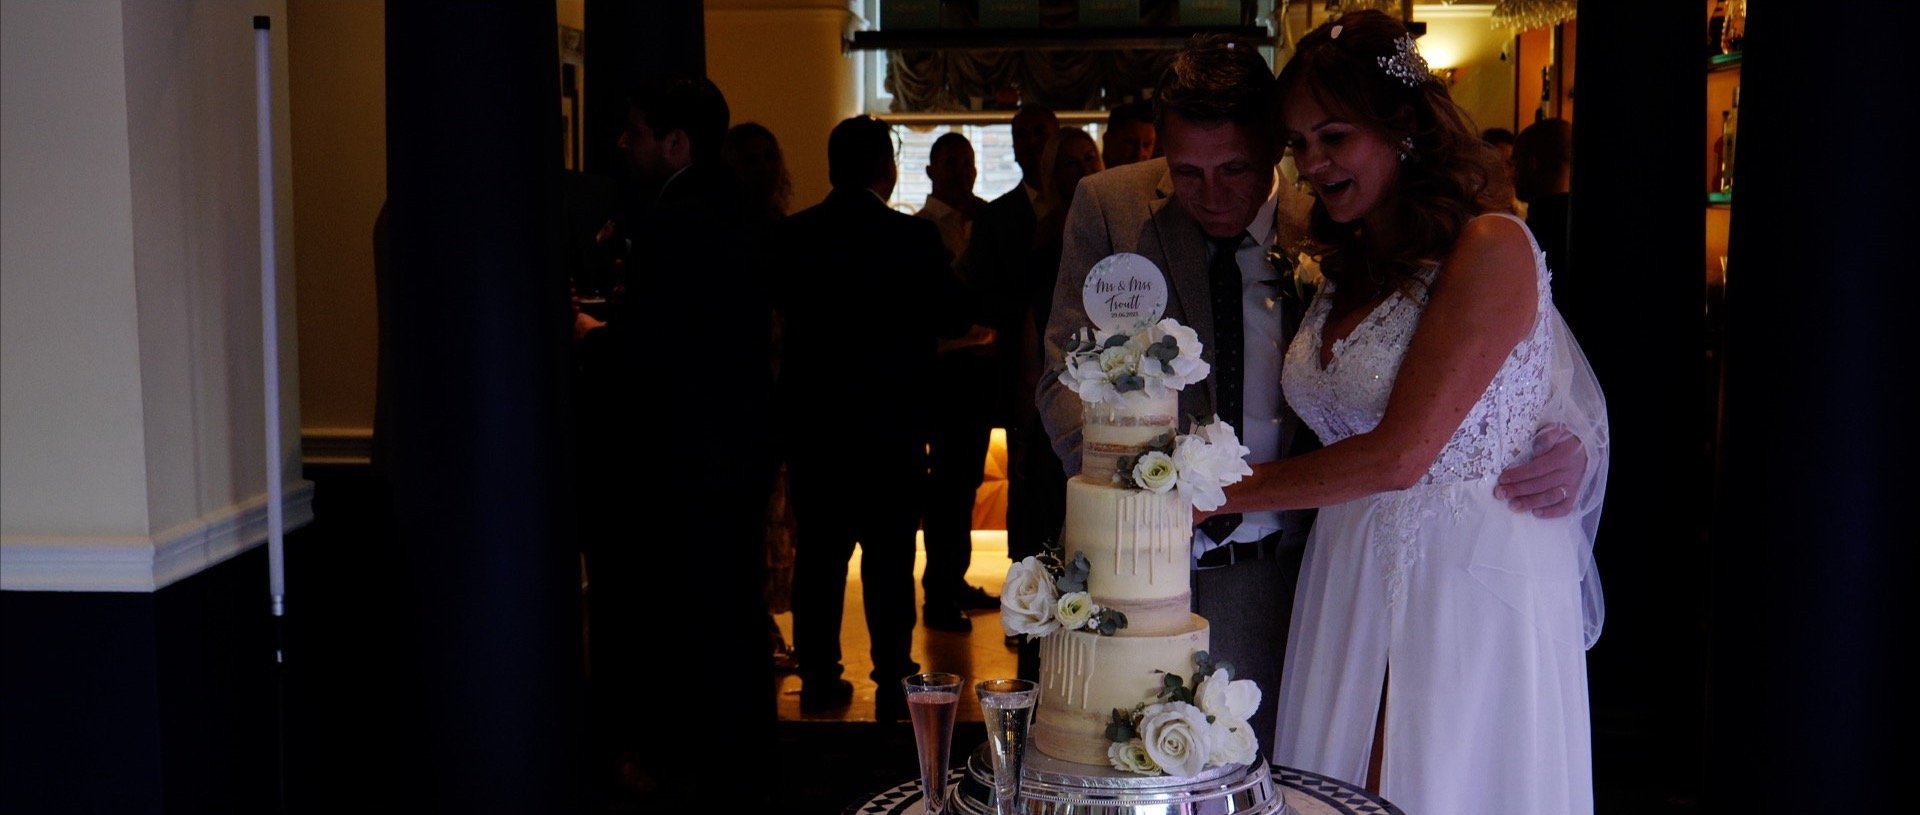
(1125, 678)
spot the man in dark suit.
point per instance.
(693, 319)
(963, 413)
(852, 400)
(997, 254)
(1000, 260)
(1210, 214)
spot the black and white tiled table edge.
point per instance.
(1346, 799)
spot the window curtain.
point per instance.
(959, 79)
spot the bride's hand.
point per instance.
(1548, 485)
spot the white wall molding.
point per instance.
(146, 563)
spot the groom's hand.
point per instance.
(1548, 485)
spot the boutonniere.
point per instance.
(1296, 274)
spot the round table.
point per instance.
(1306, 794)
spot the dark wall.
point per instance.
(1814, 552)
(141, 703)
(481, 467)
(1636, 242)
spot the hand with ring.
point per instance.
(1548, 484)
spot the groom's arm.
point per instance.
(1548, 485)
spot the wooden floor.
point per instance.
(983, 654)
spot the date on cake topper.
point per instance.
(1124, 293)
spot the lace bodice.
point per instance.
(1350, 395)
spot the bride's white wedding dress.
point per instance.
(1470, 613)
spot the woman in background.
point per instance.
(753, 154)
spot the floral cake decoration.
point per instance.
(1184, 728)
(1043, 594)
(1107, 367)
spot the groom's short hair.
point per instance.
(1217, 78)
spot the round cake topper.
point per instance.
(1124, 293)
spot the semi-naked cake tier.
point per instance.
(1085, 676)
(1108, 432)
(1138, 547)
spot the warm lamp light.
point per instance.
(1439, 50)
(1442, 54)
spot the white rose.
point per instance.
(1154, 472)
(1119, 359)
(1085, 376)
(1208, 459)
(1074, 609)
(1232, 742)
(1230, 700)
(1186, 368)
(1027, 600)
(1132, 757)
(1176, 737)
(1221, 436)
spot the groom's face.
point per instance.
(1222, 172)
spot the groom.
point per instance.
(1206, 214)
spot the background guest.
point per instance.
(1543, 178)
(753, 154)
(952, 205)
(1502, 140)
(843, 360)
(1129, 135)
(692, 268)
(1006, 250)
(963, 415)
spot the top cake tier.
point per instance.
(1110, 431)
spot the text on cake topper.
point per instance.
(1124, 293)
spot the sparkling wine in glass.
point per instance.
(933, 699)
(1006, 706)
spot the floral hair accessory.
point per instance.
(1405, 64)
(1335, 33)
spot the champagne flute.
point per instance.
(933, 699)
(1006, 705)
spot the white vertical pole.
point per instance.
(269, 312)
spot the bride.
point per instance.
(1438, 644)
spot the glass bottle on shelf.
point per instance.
(1717, 29)
(1732, 132)
(1721, 154)
(1733, 33)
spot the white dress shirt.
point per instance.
(1261, 403)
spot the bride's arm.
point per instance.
(1483, 302)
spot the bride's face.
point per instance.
(1353, 168)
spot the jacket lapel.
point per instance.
(1183, 254)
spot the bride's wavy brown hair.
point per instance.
(1449, 176)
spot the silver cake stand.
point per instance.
(1049, 786)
